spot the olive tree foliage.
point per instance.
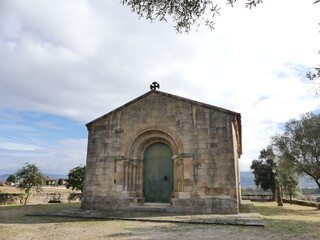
(299, 145)
(76, 178)
(30, 178)
(262, 170)
(184, 13)
(288, 178)
(314, 76)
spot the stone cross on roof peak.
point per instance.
(154, 86)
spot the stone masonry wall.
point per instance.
(11, 198)
(36, 198)
(203, 143)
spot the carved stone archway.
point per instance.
(152, 135)
(133, 162)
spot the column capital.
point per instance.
(126, 163)
(183, 155)
(120, 157)
(180, 162)
(134, 163)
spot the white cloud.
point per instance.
(13, 146)
(48, 124)
(71, 153)
(81, 59)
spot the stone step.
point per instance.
(153, 207)
(149, 204)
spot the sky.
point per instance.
(64, 63)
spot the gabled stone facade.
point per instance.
(204, 142)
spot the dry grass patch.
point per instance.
(270, 210)
(16, 213)
(9, 189)
(289, 222)
(301, 221)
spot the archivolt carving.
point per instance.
(152, 135)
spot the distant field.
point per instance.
(8, 189)
(282, 223)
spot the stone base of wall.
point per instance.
(36, 198)
(208, 205)
(54, 197)
(11, 198)
(105, 202)
(186, 205)
(258, 197)
(136, 201)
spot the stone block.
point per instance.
(228, 220)
(209, 205)
(183, 195)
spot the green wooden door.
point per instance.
(158, 173)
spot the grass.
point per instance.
(291, 219)
(16, 213)
(288, 222)
(14, 224)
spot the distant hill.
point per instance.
(247, 180)
(308, 182)
(56, 176)
(4, 177)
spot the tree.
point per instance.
(12, 178)
(60, 181)
(76, 178)
(288, 178)
(31, 178)
(315, 78)
(184, 13)
(262, 170)
(299, 145)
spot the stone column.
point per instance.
(139, 177)
(132, 178)
(121, 176)
(180, 176)
(134, 175)
(126, 175)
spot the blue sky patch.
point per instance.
(40, 128)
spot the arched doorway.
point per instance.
(158, 173)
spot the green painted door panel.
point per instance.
(158, 173)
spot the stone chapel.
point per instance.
(164, 150)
